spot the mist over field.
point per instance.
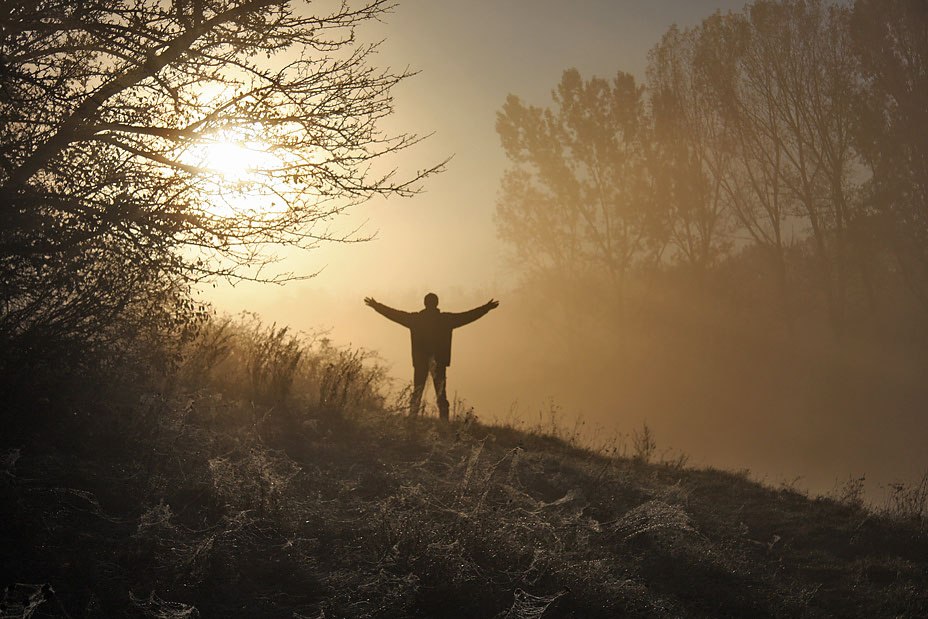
(785, 335)
(796, 409)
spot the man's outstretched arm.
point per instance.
(404, 318)
(462, 318)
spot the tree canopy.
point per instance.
(790, 127)
(575, 202)
(147, 145)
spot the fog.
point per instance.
(794, 410)
(712, 368)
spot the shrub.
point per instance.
(281, 368)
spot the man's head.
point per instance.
(431, 300)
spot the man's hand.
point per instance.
(370, 302)
(492, 304)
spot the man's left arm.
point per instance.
(459, 319)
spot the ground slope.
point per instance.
(196, 506)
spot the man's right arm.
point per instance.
(403, 318)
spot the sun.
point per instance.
(241, 178)
(233, 161)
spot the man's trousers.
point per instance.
(439, 379)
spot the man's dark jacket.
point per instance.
(431, 329)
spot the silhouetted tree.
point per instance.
(761, 107)
(756, 192)
(692, 142)
(575, 204)
(801, 101)
(112, 116)
(891, 41)
(731, 87)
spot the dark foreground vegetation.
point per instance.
(269, 475)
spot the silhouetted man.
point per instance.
(431, 344)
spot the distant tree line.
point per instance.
(789, 136)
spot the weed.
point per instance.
(462, 412)
(272, 359)
(347, 382)
(673, 460)
(791, 485)
(276, 367)
(213, 343)
(909, 502)
(850, 492)
(643, 444)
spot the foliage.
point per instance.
(575, 202)
(112, 117)
(776, 128)
(691, 150)
(891, 44)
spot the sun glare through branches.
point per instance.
(242, 177)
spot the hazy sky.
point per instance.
(470, 55)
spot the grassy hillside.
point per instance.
(202, 502)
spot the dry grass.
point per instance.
(275, 480)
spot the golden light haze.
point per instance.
(471, 56)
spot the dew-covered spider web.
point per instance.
(528, 606)
(157, 608)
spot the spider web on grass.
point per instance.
(528, 606)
